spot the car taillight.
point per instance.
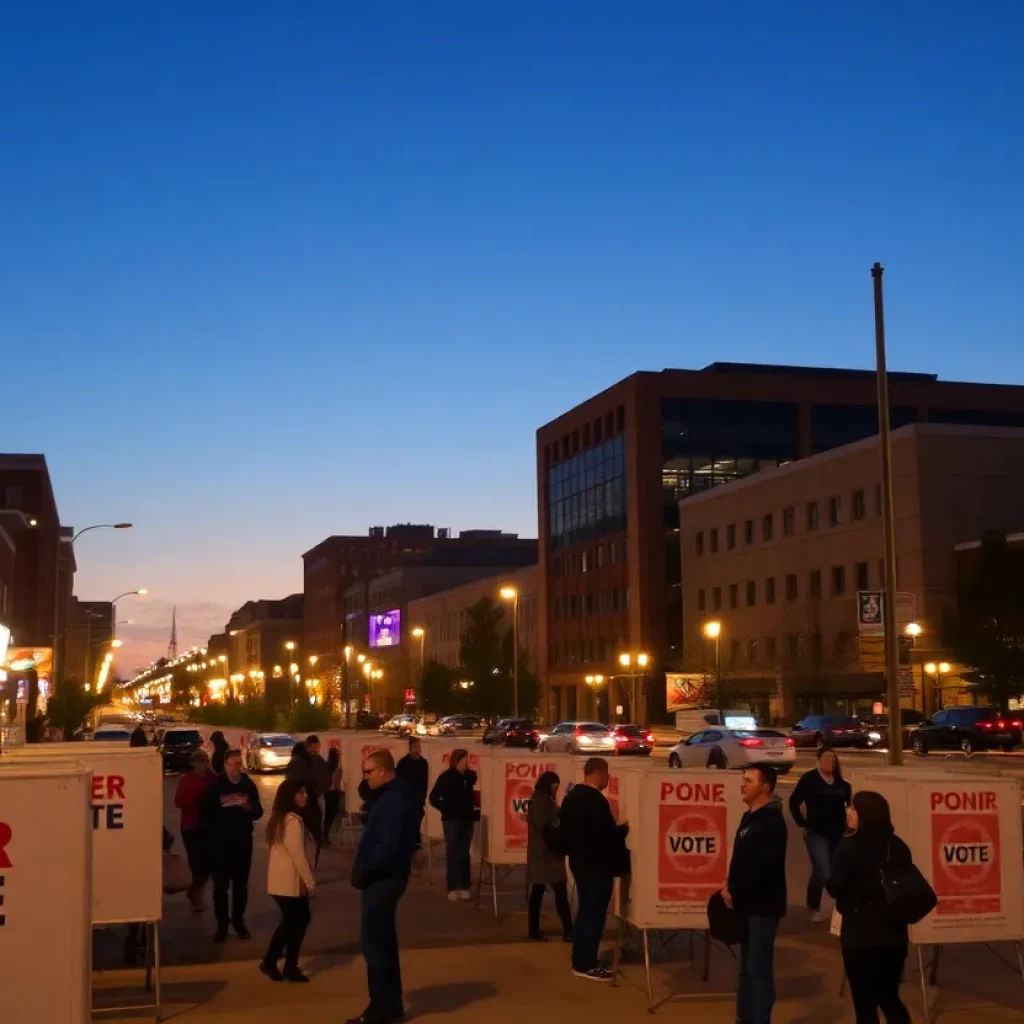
(649, 737)
(984, 725)
(1017, 724)
(790, 742)
(751, 743)
(578, 733)
(621, 739)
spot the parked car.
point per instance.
(177, 745)
(968, 729)
(735, 748)
(877, 727)
(633, 739)
(370, 719)
(457, 725)
(579, 738)
(268, 751)
(512, 732)
(829, 730)
(111, 734)
(400, 725)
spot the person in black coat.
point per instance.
(414, 771)
(874, 945)
(452, 795)
(138, 737)
(757, 890)
(818, 804)
(220, 748)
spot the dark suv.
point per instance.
(830, 730)
(512, 732)
(968, 729)
(177, 746)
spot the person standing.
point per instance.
(414, 771)
(596, 848)
(230, 806)
(188, 798)
(220, 749)
(381, 870)
(301, 769)
(452, 795)
(332, 798)
(757, 890)
(289, 881)
(138, 737)
(544, 866)
(818, 804)
(874, 944)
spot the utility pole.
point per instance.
(892, 650)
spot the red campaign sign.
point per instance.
(693, 841)
(966, 855)
(520, 778)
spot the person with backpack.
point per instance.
(545, 863)
(873, 935)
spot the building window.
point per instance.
(751, 593)
(862, 576)
(730, 536)
(752, 652)
(613, 552)
(859, 504)
(585, 561)
(844, 642)
(766, 527)
(734, 595)
(769, 650)
(788, 521)
(699, 543)
(838, 580)
(701, 601)
(769, 590)
(748, 532)
(792, 646)
(600, 556)
(716, 598)
(814, 585)
(713, 540)
(734, 652)
(812, 515)
(835, 511)
(791, 587)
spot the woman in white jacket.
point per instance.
(289, 880)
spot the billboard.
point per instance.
(386, 629)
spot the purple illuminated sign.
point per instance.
(386, 629)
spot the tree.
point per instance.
(440, 690)
(986, 631)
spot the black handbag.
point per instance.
(908, 896)
(725, 923)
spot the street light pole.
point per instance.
(512, 594)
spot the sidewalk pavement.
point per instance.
(516, 982)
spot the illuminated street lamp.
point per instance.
(913, 630)
(594, 681)
(420, 634)
(713, 631)
(634, 660)
(936, 670)
(509, 593)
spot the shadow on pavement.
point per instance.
(111, 1002)
(422, 1002)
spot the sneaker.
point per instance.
(594, 974)
(270, 970)
(453, 896)
(294, 974)
(465, 894)
(815, 917)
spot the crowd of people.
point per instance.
(849, 839)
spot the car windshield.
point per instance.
(592, 727)
(759, 734)
(277, 741)
(629, 730)
(182, 736)
(842, 722)
(112, 734)
(520, 723)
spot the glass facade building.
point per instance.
(587, 494)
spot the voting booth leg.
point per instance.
(157, 1007)
(707, 956)
(924, 984)
(1020, 960)
(647, 969)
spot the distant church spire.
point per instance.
(172, 647)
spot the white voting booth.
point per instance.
(126, 823)
(45, 893)
(354, 749)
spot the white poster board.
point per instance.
(617, 795)
(964, 831)
(45, 893)
(127, 819)
(438, 754)
(680, 840)
(353, 750)
(508, 780)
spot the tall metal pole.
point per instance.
(515, 655)
(892, 652)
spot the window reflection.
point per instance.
(587, 494)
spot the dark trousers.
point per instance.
(561, 905)
(287, 938)
(380, 948)
(458, 838)
(822, 852)
(874, 974)
(593, 894)
(197, 850)
(755, 995)
(332, 804)
(231, 859)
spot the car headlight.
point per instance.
(874, 736)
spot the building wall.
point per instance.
(8, 559)
(950, 484)
(87, 639)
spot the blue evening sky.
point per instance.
(271, 271)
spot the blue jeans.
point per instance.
(458, 838)
(380, 948)
(822, 852)
(755, 996)
(593, 894)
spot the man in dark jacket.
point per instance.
(230, 806)
(381, 870)
(414, 771)
(757, 890)
(597, 853)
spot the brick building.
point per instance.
(87, 639)
(258, 653)
(612, 471)
(778, 559)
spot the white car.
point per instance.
(579, 738)
(719, 747)
(268, 751)
(112, 734)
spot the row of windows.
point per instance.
(582, 438)
(839, 585)
(573, 563)
(684, 475)
(572, 606)
(587, 495)
(834, 511)
(794, 648)
(579, 652)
